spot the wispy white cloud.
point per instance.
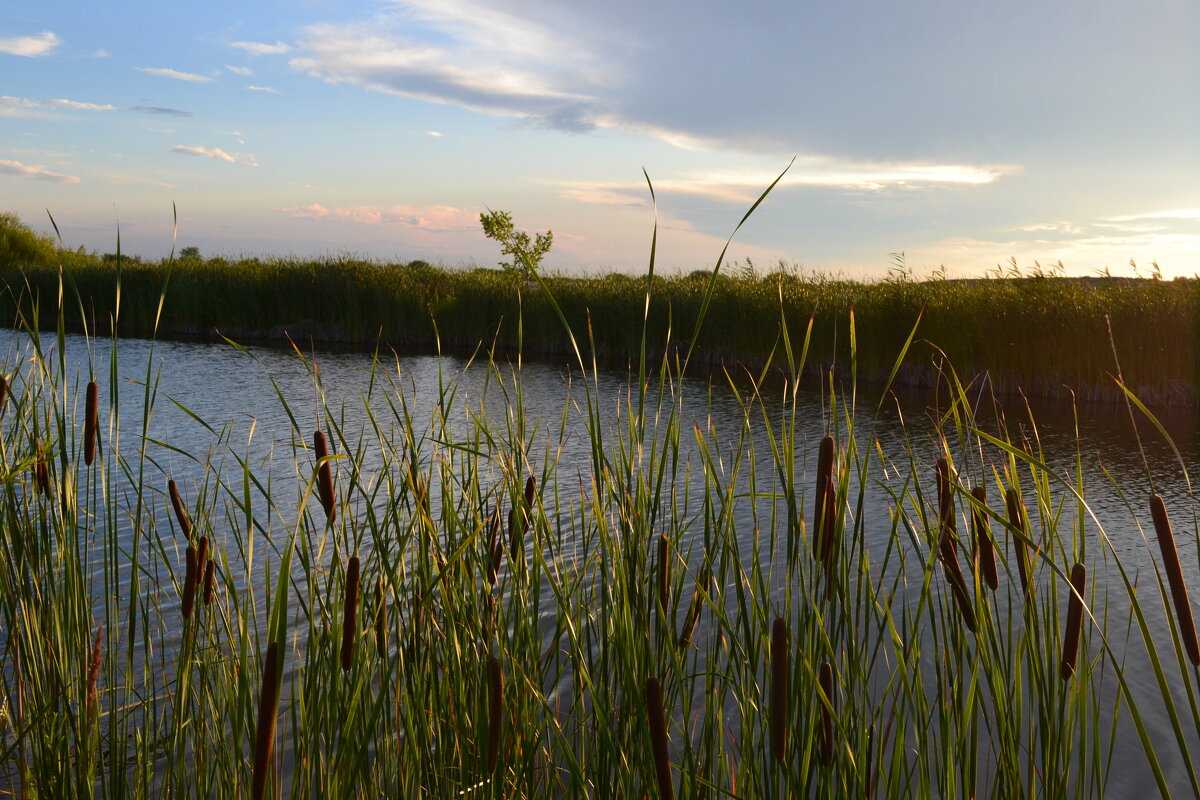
(39, 44)
(248, 159)
(433, 219)
(135, 180)
(161, 111)
(264, 89)
(434, 134)
(1178, 213)
(167, 72)
(24, 107)
(101, 53)
(261, 48)
(243, 71)
(15, 169)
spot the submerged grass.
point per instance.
(666, 622)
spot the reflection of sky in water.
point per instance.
(232, 392)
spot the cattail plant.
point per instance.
(380, 617)
(825, 683)
(201, 556)
(268, 703)
(350, 613)
(825, 509)
(495, 549)
(41, 472)
(1179, 593)
(981, 532)
(779, 688)
(1074, 620)
(325, 476)
(191, 575)
(664, 572)
(495, 681)
(185, 524)
(693, 613)
(91, 420)
(3, 392)
(209, 573)
(93, 673)
(1016, 518)
(658, 738)
(946, 546)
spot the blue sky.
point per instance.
(961, 133)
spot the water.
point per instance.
(213, 400)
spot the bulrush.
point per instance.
(1179, 593)
(41, 471)
(495, 679)
(1016, 518)
(693, 614)
(981, 530)
(495, 548)
(1074, 620)
(325, 476)
(828, 523)
(93, 674)
(825, 681)
(380, 618)
(664, 572)
(185, 524)
(91, 419)
(191, 575)
(946, 547)
(201, 556)
(209, 573)
(945, 497)
(823, 526)
(779, 688)
(268, 703)
(3, 391)
(350, 613)
(658, 738)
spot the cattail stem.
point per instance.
(1016, 518)
(981, 530)
(825, 681)
(185, 524)
(325, 476)
(91, 420)
(658, 738)
(1179, 593)
(1074, 620)
(268, 703)
(779, 688)
(495, 678)
(350, 613)
(191, 575)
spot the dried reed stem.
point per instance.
(779, 688)
(658, 738)
(1074, 620)
(268, 702)
(981, 531)
(185, 524)
(1179, 593)
(1016, 518)
(825, 682)
(350, 613)
(495, 678)
(191, 575)
(91, 420)
(325, 476)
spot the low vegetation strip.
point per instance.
(1046, 334)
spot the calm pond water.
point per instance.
(232, 402)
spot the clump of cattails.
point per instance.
(779, 688)
(1179, 593)
(693, 613)
(91, 420)
(825, 682)
(325, 476)
(191, 576)
(41, 472)
(825, 509)
(93, 674)
(495, 680)
(185, 524)
(209, 574)
(664, 572)
(1074, 620)
(380, 618)
(1016, 518)
(946, 547)
(658, 738)
(350, 613)
(268, 703)
(981, 530)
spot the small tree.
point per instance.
(190, 252)
(527, 255)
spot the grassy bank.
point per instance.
(1045, 334)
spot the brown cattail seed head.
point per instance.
(380, 618)
(268, 703)
(821, 508)
(350, 613)
(325, 476)
(209, 571)
(664, 571)
(658, 738)
(1179, 593)
(1016, 518)
(495, 679)
(181, 515)
(825, 680)
(191, 575)
(3, 391)
(779, 688)
(945, 494)
(202, 555)
(693, 615)
(41, 471)
(91, 420)
(985, 552)
(93, 675)
(495, 551)
(1074, 620)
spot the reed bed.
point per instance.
(707, 611)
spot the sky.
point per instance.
(968, 136)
